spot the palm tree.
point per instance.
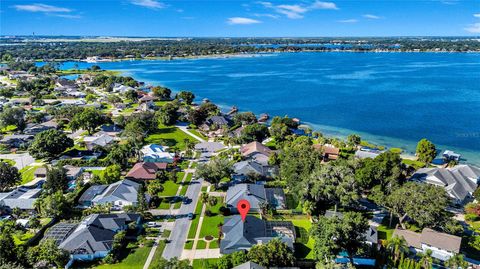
(426, 259)
(204, 197)
(397, 245)
(263, 209)
(308, 207)
(456, 261)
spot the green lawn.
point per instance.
(210, 224)
(204, 263)
(27, 173)
(169, 188)
(194, 225)
(183, 191)
(213, 244)
(197, 133)
(10, 162)
(304, 244)
(188, 244)
(169, 136)
(158, 254)
(384, 231)
(413, 163)
(135, 260)
(160, 103)
(201, 244)
(188, 178)
(9, 128)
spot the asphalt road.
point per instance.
(179, 234)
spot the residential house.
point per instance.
(241, 235)
(459, 182)
(367, 153)
(33, 129)
(92, 238)
(242, 170)
(22, 198)
(449, 155)
(218, 122)
(442, 245)
(117, 87)
(329, 152)
(17, 140)
(157, 154)
(66, 83)
(73, 172)
(256, 151)
(145, 170)
(101, 140)
(256, 195)
(111, 130)
(118, 194)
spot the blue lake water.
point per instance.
(392, 99)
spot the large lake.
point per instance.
(392, 99)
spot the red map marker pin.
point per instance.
(243, 206)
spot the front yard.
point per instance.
(169, 136)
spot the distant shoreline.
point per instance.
(244, 55)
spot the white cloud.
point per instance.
(291, 11)
(153, 4)
(241, 20)
(41, 8)
(323, 5)
(473, 28)
(266, 15)
(371, 16)
(348, 21)
(476, 15)
(66, 16)
(297, 11)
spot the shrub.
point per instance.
(224, 211)
(208, 213)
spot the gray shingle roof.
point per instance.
(459, 181)
(249, 265)
(123, 190)
(253, 193)
(96, 232)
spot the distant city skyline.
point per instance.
(307, 18)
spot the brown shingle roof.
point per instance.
(412, 238)
(441, 240)
(146, 170)
(255, 147)
(432, 238)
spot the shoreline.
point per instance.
(243, 55)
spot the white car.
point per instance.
(152, 224)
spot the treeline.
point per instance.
(17, 48)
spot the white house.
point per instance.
(118, 194)
(157, 153)
(97, 140)
(442, 245)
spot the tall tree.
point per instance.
(56, 179)
(88, 119)
(254, 132)
(275, 253)
(186, 96)
(53, 205)
(49, 144)
(9, 176)
(13, 116)
(142, 204)
(397, 246)
(167, 115)
(162, 92)
(426, 151)
(456, 261)
(334, 234)
(332, 183)
(111, 174)
(215, 170)
(48, 251)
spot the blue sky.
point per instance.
(241, 18)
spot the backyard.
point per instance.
(169, 136)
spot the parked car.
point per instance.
(153, 224)
(190, 216)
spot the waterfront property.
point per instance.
(256, 151)
(459, 182)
